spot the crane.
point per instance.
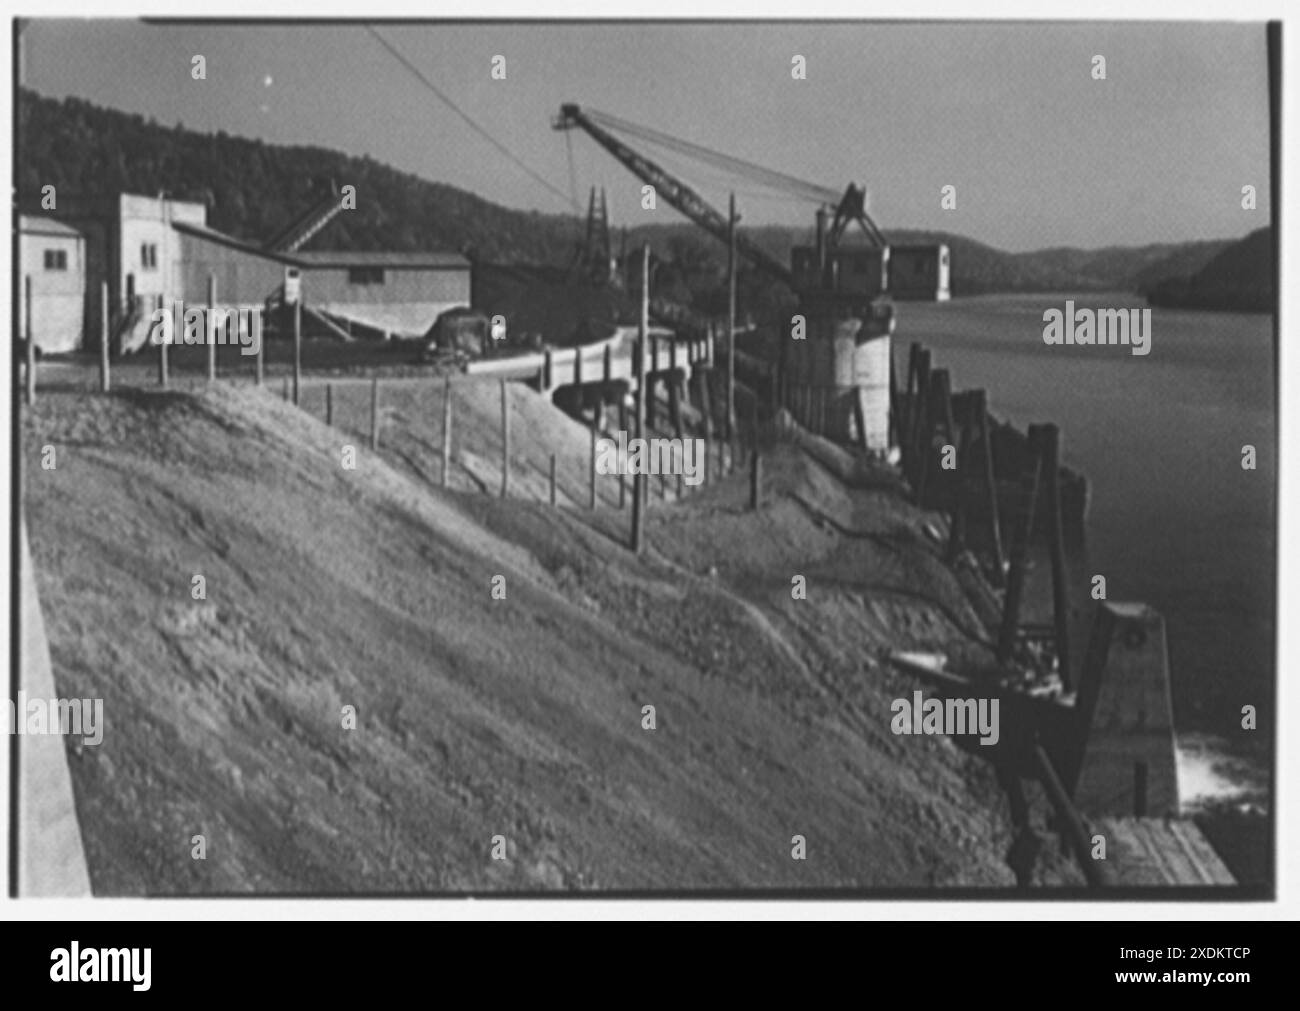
(680, 195)
(815, 269)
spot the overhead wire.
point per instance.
(419, 75)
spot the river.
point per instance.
(1175, 520)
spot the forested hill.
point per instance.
(1238, 278)
(253, 189)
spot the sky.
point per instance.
(1039, 152)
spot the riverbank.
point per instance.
(479, 717)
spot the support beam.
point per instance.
(105, 384)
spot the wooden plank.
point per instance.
(1162, 852)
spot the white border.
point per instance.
(1288, 904)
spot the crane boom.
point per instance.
(675, 191)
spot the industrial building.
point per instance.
(53, 256)
(151, 248)
(919, 273)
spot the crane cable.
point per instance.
(415, 71)
(769, 178)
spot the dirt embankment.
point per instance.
(479, 717)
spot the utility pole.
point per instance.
(731, 326)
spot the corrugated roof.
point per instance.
(221, 238)
(34, 224)
(344, 258)
(427, 261)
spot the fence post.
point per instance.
(643, 329)
(162, 354)
(592, 469)
(261, 351)
(505, 440)
(31, 341)
(210, 327)
(374, 414)
(297, 350)
(446, 431)
(622, 478)
(105, 382)
(552, 480)
(755, 479)
(329, 404)
(609, 362)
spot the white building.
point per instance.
(53, 255)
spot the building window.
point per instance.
(149, 256)
(365, 275)
(56, 259)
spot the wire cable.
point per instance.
(415, 72)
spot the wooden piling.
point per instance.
(957, 516)
(374, 414)
(505, 440)
(909, 403)
(211, 327)
(105, 383)
(990, 482)
(446, 432)
(1051, 449)
(920, 438)
(931, 408)
(608, 370)
(892, 426)
(1020, 554)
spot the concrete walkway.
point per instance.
(51, 859)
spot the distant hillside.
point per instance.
(253, 189)
(1239, 278)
